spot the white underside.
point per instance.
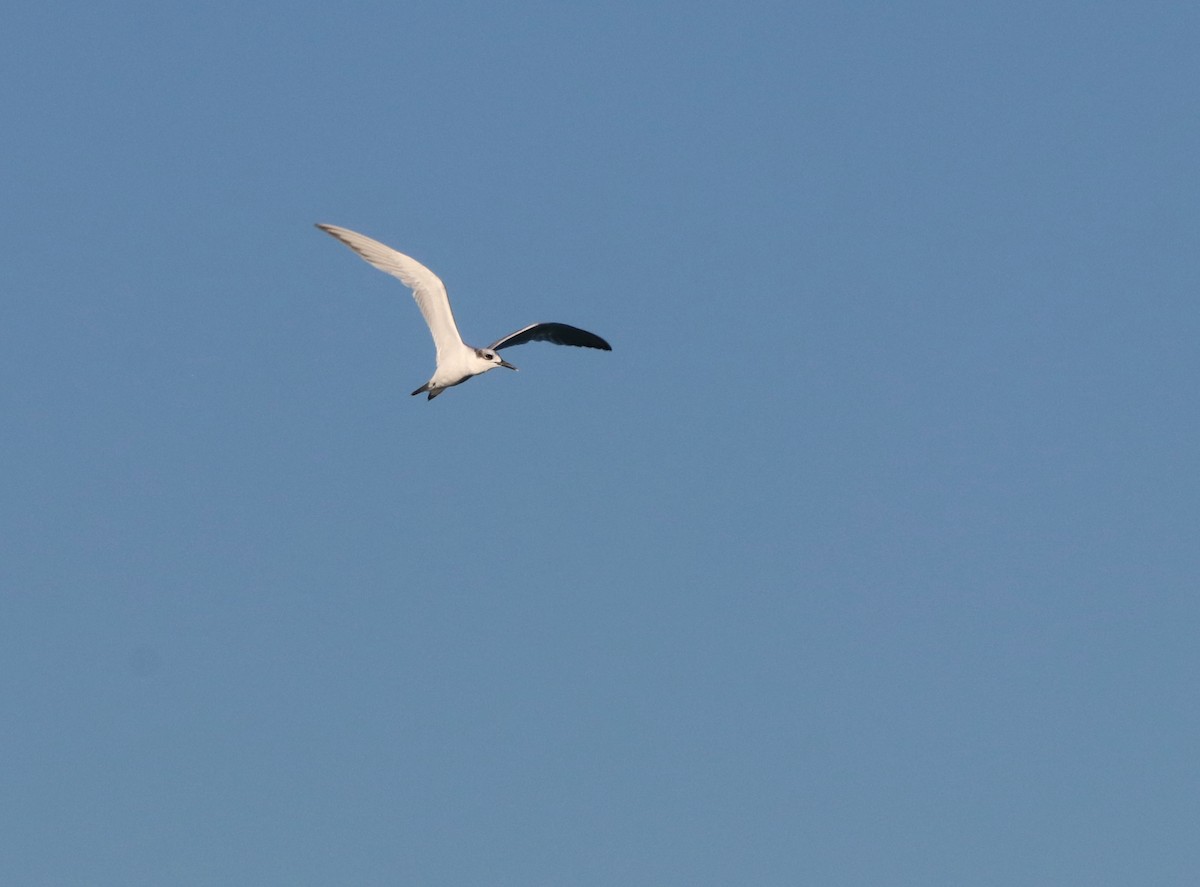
(455, 365)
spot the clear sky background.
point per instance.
(870, 555)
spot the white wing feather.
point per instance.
(427, 287)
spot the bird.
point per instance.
(456, 361)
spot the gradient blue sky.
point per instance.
(870, 555)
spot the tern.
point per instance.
(456, 360)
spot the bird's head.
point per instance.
(489, 360)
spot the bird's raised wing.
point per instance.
(428, 289)
(558, 333)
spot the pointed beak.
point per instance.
(505, 363)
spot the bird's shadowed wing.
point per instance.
(428, 289)
(558, 333)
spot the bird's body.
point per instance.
(456, 360)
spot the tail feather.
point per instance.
(433, 392)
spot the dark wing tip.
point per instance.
(571, 335)
(597, 342)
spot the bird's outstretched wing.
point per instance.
(558, 333)
(428, 289)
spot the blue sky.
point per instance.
(868, 556)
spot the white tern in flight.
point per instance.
(456, 360)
